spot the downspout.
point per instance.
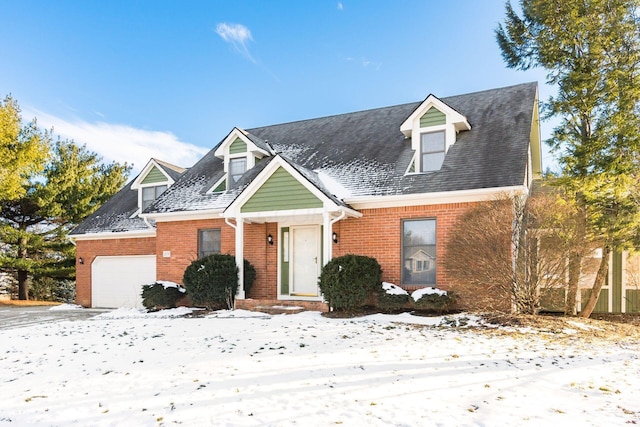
(328, 234)
(239, 229)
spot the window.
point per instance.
(432, 147)
(419, 252)
(149, 194)
(237, 168)
(208, 242)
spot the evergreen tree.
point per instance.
(591, 52)
(34, 226)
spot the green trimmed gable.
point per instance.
(154, 176)
(281, 192)
(433, 117)
(238, 146)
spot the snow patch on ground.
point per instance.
(237, 314)
(66, 307)
(138, 313)
(307, 369)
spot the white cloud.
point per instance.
(340, 6)
(122, 143)
(238, 36)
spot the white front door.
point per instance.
(305, 265)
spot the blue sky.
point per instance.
(170, 79)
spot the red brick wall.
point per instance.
(88, 250)
(180, 238)
(378, 234)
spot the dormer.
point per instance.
(240, 151)
(154, 180)
(433, 128)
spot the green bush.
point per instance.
(391, 298)
(249, 276)
(161, 295)
(437, 302)
(348, 281)
(212, 281)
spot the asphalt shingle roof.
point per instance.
(366, 153)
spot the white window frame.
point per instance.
(424, 153)
(155, 187)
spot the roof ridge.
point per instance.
(368, 110)
(173, 167)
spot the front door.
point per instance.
(305, 245)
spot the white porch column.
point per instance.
(326, 238)
(240, 256)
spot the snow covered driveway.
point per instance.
(126, 368)
(12, 317)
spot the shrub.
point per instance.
(349, 280)
(161, 295)
(249, 276)
(391, 298)
(431, 299)
(52, 289)
(212, 281)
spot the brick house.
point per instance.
(387, 183)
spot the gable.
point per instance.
(281, 191)
(238, 146)
(153, 176)
(433, 117)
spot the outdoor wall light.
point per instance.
(334, 237)
(270, 239)
(80, 260)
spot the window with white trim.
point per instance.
(149, 194)
(209, 242)
(419, 252)
(237, 168)
(432, 150)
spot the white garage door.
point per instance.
(116, 281)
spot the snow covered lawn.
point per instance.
(246, 369)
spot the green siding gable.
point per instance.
(281, 192)
(154, 176)
(433, 117)
(238, 146)
(221, 187)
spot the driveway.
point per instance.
(12, 317)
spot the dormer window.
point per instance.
(433, 128)
(149, 194)
(237, 168)
(432, 150)
(240, 152)
(154, 180)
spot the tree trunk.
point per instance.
(23, 285)
(575, 259)
(603, 270)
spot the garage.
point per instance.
(116, 281)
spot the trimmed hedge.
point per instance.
(157, 296)
(212, 281)
(348, 281)
(389, 302)
(436, 302)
